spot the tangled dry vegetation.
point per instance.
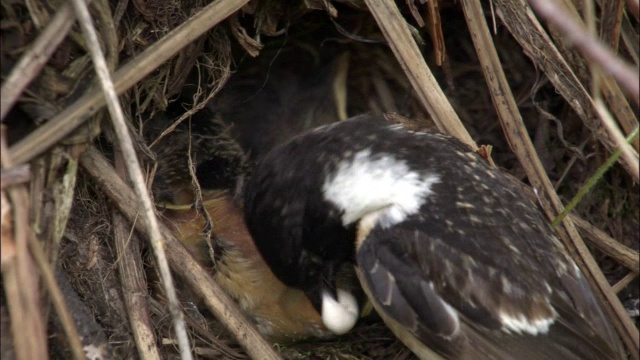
(80, 279)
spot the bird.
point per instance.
(282, 314)
(457, 261)
(245, 120)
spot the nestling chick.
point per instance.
(455, 258)
(281, 313)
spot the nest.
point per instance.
(192, 77)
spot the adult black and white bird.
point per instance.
(455, 259)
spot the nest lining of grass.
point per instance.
(320, 60)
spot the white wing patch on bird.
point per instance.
(364, 184)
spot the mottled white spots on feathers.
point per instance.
(464, 205)
(475, 220)
(513, 248)
(473, 158)
(365, 183)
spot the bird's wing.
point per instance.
(463, 306)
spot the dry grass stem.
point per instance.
(624, 282)
(32, 61)
(544, 52)
(135, 173)
(15, 175)
(128, 75)
(395, 30)
(600, 81)
(522, 146)
(134, 284)
(611, 247)
(181, 261)
(57, 298)
(629, 154)
(591, 47)
(19, 272)
(611, 25)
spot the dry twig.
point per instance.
(624, 282)
(135, 173)
(629, 154)
(522, 146)
(32, 61)
(527, 30)
(134, 284)
(181, 261)
(395, 30)
(592, 48)
(57, 298)
(622, 254)
(73, 116)
(19, 273)
(15, 175)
